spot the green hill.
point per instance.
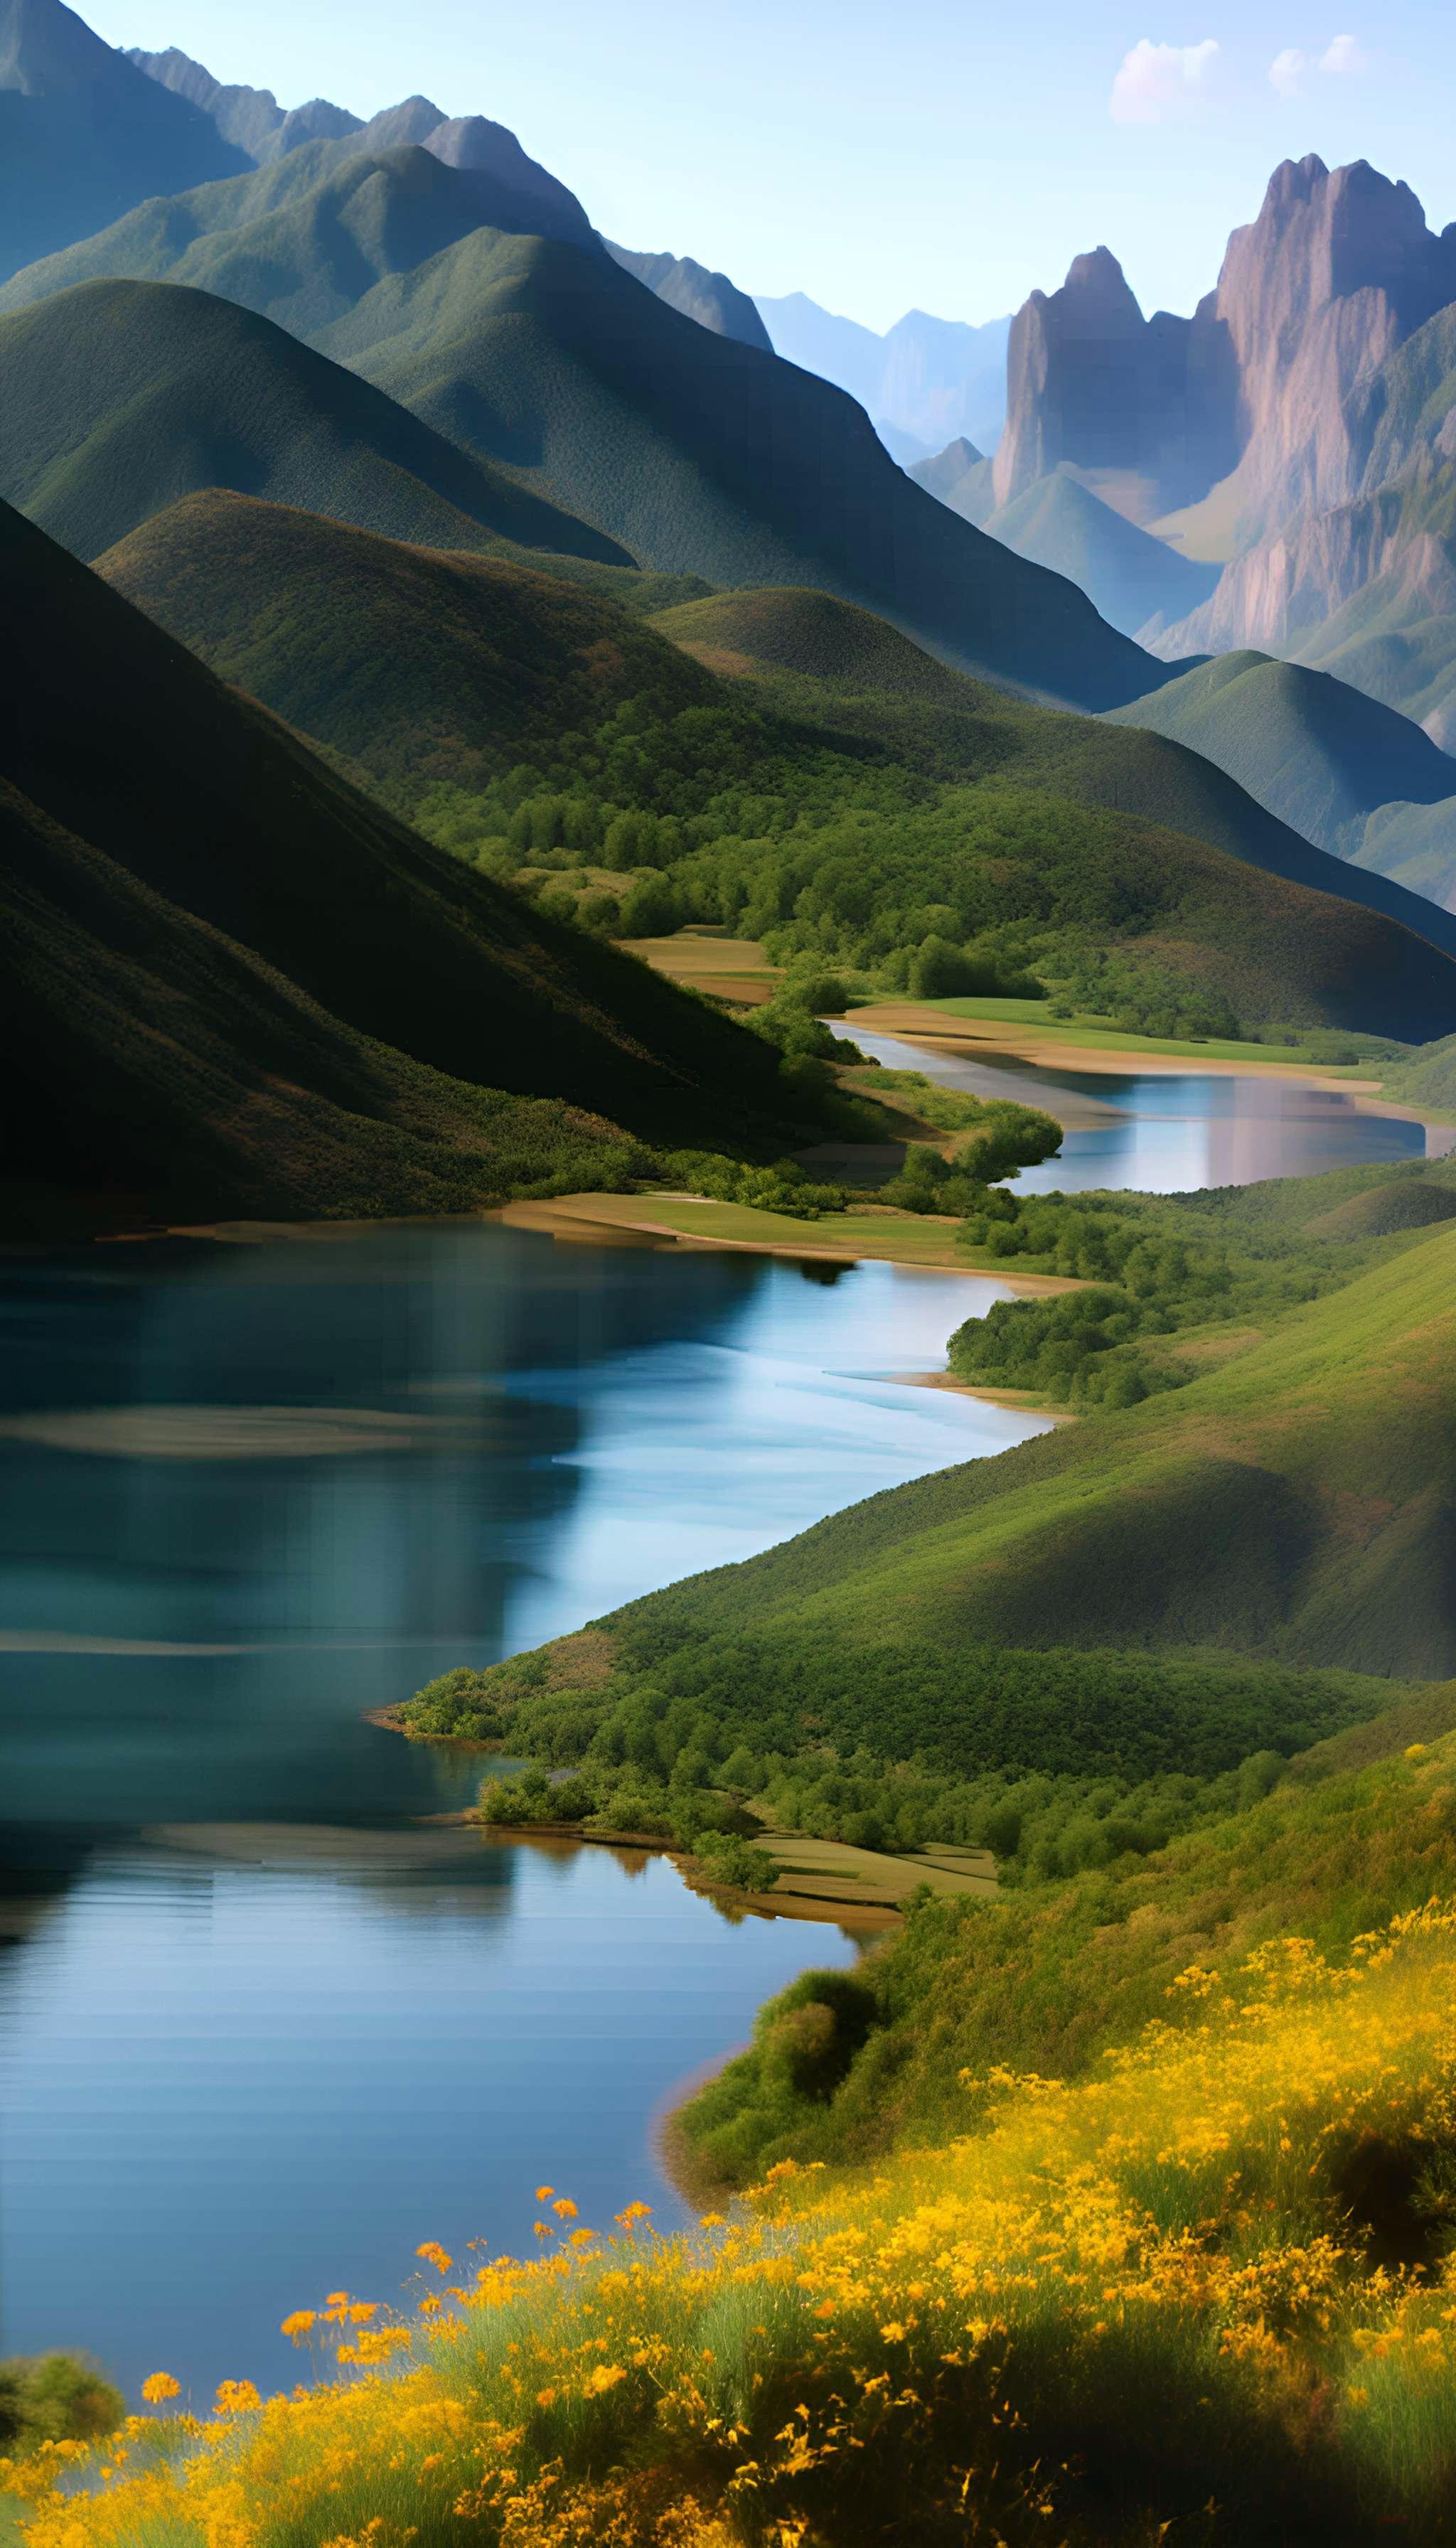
(124, 754)
(171, 1075)
(485, 698)
(845, 668)
(416, 664)
(1321, 756)
(1271, 1509)
(1136, 582)
(117, 398)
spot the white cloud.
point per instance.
(1344, 55)
(1289, 70)
(1158, 81)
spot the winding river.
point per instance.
(261, 2029)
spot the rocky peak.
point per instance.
(1097, 299)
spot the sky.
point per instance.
(951, 158)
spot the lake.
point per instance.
(1169, 1132)
(261, 2034)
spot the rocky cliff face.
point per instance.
(1336, 272)
(1092, 383)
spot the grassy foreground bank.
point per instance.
(1204, 2288)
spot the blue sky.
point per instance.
(951, 154)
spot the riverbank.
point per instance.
(874, 1231)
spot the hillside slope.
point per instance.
(1270, 1509)
(117, 398)
(434, 670)
(412, 661)
(171, 1075)
(1321, 756)
(1106, 762)
(119, 737)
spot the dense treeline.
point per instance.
(1054, 1760)
(1161, 1264)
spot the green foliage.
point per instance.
(783, 1186)
(55, 2398)
(1329, 1846)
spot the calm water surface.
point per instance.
(1169, 1132)
(262, 2033)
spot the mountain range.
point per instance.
(695, 452)
(925, 381)
(1297, 433)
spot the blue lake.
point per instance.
(1169, 1132)
(261, 2032)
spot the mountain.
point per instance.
(1139, 583)
(442, 677)
(928, 379)
(706, 456)
(250, 990)
(696, 453)
(525, 195)
(301, 239)
(960, 477)
(251, 118)
(1142, 406)
(1366, 589)
(84, 135)
(1336, 765)
(117, 398)
(685, 285)
(1338, 269)
(417, 666)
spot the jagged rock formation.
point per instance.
(84, 135)
(684, 285)
(1337, 271)
(1091, 382)
(932, 380)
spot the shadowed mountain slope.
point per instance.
(409, 661)
(170, 1074)
(84, 135)
(120, 738)
(960, 477)
(1319, 755)
(117, 398)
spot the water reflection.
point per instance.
(236, 2081)
(1168, 1133)
(260, 2033)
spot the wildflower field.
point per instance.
(1199, 2293)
